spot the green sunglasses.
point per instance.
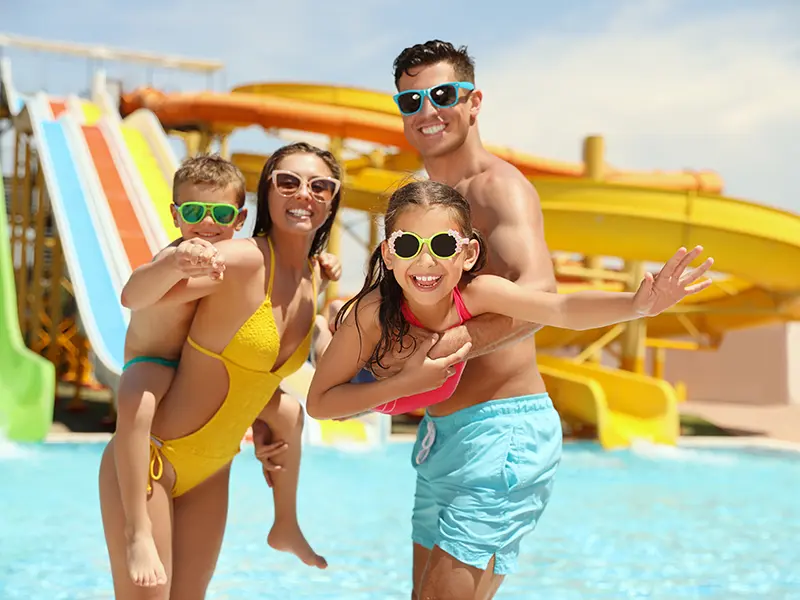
(194, 212)
(442, 245)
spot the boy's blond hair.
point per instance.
(212, 170)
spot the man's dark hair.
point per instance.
(432, 52)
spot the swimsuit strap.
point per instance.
(461, 308)
(202, 350)
(313, 281)
(271, 267)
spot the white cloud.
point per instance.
(716, 91)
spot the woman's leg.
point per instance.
(159, 509)
(199, 525)
(284, 416)
(141, 388)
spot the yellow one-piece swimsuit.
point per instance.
(249, 358)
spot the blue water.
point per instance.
(667, 524)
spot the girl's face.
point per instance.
(428, 270)
(301, 193)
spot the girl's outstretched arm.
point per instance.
(332, 396)
(588, 309)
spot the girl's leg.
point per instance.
(159, 509)
(200, 517)
(284, 416)
(141, 388)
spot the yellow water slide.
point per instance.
(636, 217)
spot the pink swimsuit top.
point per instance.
(425, 399)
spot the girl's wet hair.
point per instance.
(263, 224)
(394, 327)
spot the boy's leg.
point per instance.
(284, 417)
(141, 388)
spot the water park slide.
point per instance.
(94, 253)
(27, 380)
(632, 216)
(354, 114)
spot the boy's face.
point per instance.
(207, 227)
(435, 131)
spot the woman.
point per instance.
(252, 328)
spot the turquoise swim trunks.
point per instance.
(173, 364)
(484, 477)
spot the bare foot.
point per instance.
(144, 565)
(287, 537)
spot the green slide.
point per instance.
(27, 380)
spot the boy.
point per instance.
(208, 206)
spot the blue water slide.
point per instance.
(79, 226)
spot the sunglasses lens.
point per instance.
(445, 95)
(192, 213)
(444, 245)
(323, 189)
(224, 213)
(287, 183)
(406, 246)
(409, 102)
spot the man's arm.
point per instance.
(516, 251)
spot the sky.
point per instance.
(670, 84)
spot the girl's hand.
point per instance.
(672, 284)
(424, 373)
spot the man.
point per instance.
(494, 446)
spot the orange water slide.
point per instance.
(127, 223)
(224, 111)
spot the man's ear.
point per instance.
(475, 100)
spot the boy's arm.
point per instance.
(517, 243)
(149, 283)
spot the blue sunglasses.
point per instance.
(443, 95)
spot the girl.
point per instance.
(416, 277)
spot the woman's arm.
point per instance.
(588, 309)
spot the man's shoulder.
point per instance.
(500, 181)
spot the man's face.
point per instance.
(435, 131)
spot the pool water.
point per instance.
(658, 523)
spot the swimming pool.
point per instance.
(659, 524)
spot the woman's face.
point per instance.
(301, 194)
